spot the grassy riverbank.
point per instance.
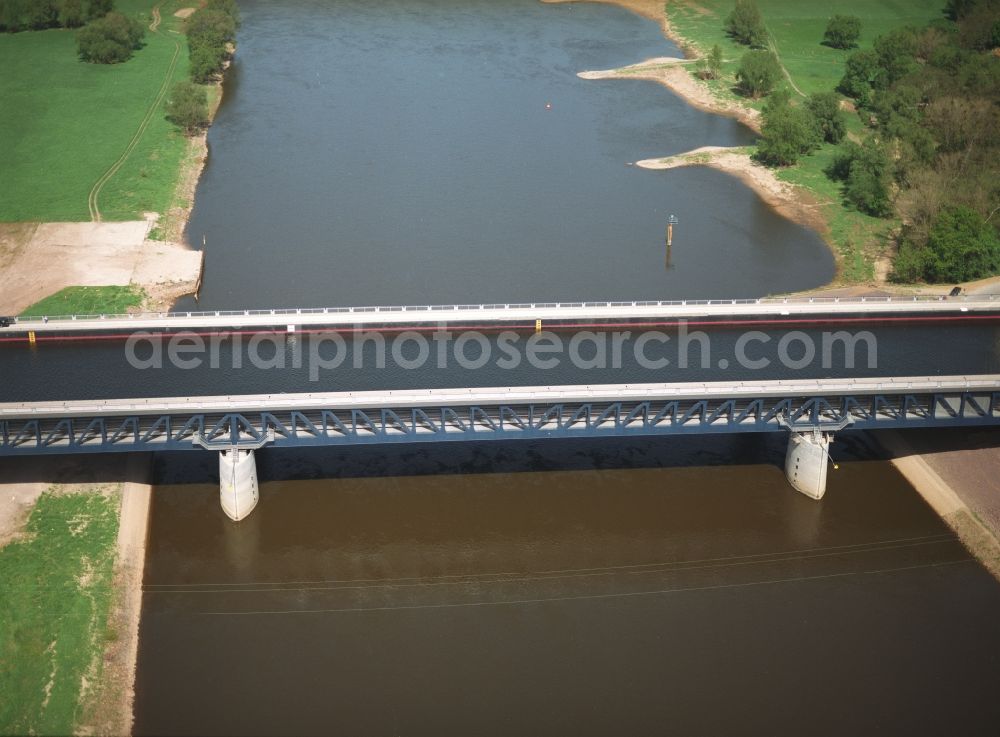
(64, 123)
(57, 588)
(797, 30)
(89, 301)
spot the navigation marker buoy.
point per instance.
(548, 106)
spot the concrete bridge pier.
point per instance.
(238, 488)
(806, 461)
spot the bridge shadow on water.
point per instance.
(508, 456)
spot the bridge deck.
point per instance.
(505, 313)
(520, 395)
(350, 418)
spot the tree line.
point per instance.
(211, 33)
(37, 15)
(929, 99)
(105, 37)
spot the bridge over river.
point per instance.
(810, 409)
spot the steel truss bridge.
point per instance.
(350, 418)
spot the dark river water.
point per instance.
(672, 586)
(402, 152)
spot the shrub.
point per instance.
(210, 30)
(840, 167)
(19, 15)
(110, 40)
(99, 8)
(206, 62)
(787, 133)
(869, 179)
(758, 73)
(71, 13)
(961, 246)
(860, 73)
(831, 122)
(187, 106)
(842, 32)
(211, 27)
(710, 66)
(746, 24)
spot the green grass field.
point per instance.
(87, 301)
(56, 585)
(63, 123)
(797, 30)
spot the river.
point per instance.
(404, 152)
(401, 152)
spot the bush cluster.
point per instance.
(930, 97)
(110, 40)
(210, 31)
(842, 32)
(746, 24)
(187, 106)
(35, 15)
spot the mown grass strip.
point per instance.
(56, 585)
(64, 122)
(88, 301)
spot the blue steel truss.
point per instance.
(314, 427)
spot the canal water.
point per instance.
(403, 152)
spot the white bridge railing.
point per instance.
(902, 301)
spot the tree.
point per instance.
(42, 14)
(869, 179)
(958, 9)
(210, 30)
(746, 24)
(961, 246)
(787, 133)
(71, 13)
(896, 53)
(710, 67)
(99, 8)
(715, 61)
(842, 32)
(758, 73)
(109, 40)
(229, 7)
(188, 106)
(830, 120)
(206, 62)
(860, 73)
(840, 167)
(211, 27)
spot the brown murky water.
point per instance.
(630, 594)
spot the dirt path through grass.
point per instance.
(95, 192)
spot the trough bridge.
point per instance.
(235, 426)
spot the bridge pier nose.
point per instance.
(806, 462)
(238, 489)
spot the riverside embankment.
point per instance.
(145, 170)
(72, 531)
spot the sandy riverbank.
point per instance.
(791, 201)
(39, 259)
(672, 73)
(959, 477)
